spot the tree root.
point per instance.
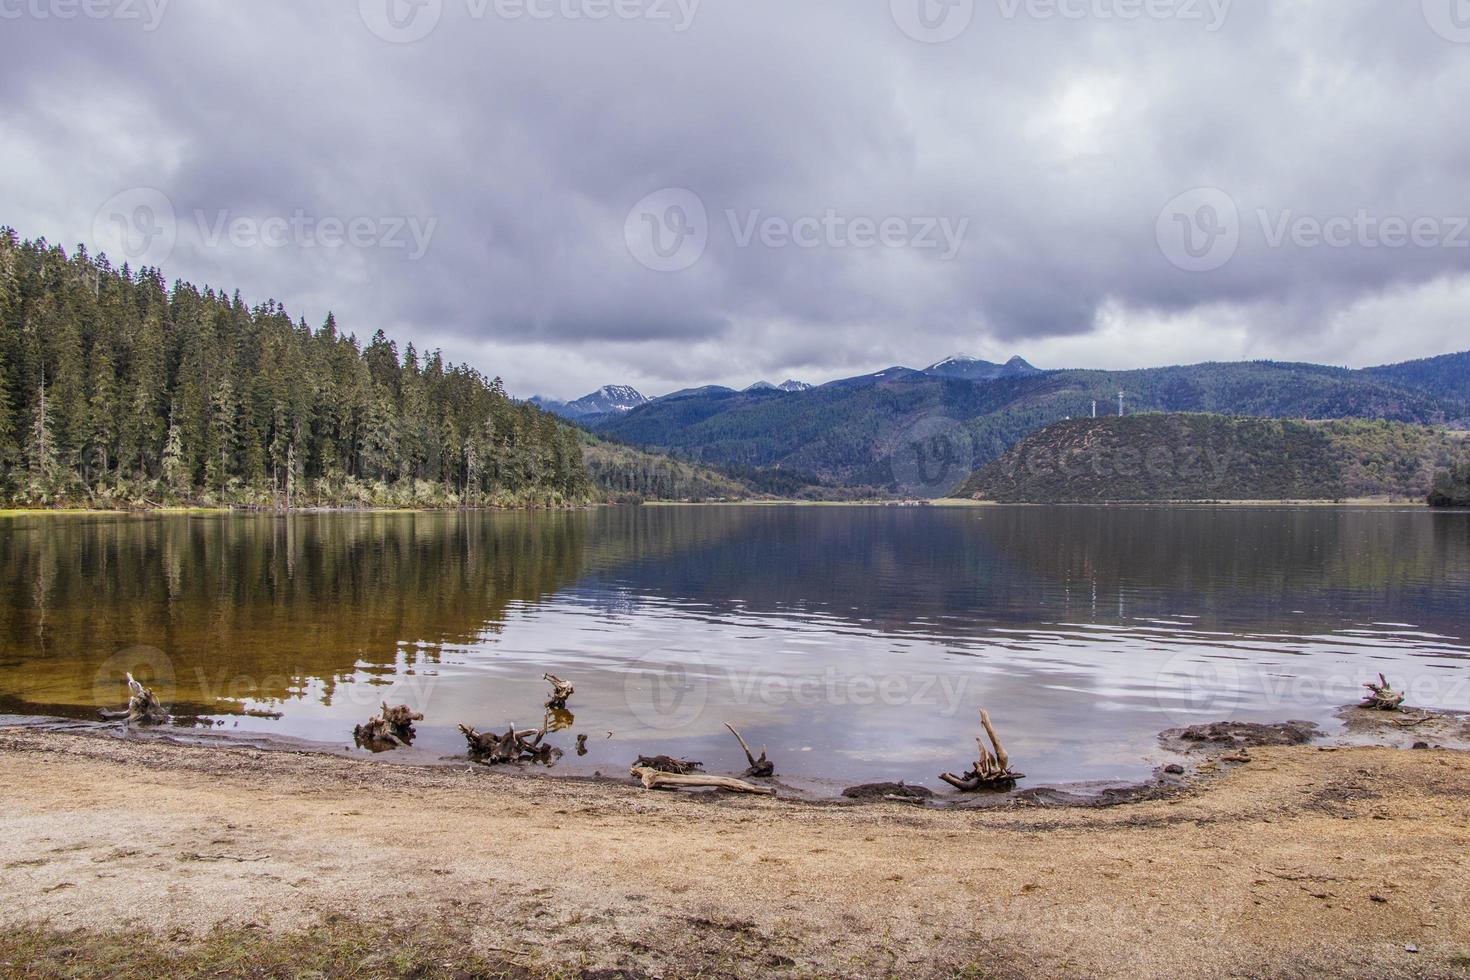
(653, 779)
(665, 763)
(1382, 696)
(143, 708)
(561, 692)
(761, 768)
(990, 771)
(525, 745)
(391, 728)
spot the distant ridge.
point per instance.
(1160, 458)
(881, 429)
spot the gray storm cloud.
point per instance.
(825, 145)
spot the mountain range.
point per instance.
(923, 432)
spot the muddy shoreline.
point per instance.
(1190, 755)
(1300, 862)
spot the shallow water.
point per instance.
(857, 643)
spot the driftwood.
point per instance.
(525, 745)
(1382, 696)
(665, 763)
(561, 692)
(990, 771)
(759, 768)
(389, 729)
(143, 708)
(653, 779)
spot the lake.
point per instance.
(857, 643)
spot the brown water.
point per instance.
(857, 643)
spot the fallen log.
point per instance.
(761, 768)
(990, 771)
(1382, 696)
(389, 729)
(561, 692)
(653, 779)
(143, 708)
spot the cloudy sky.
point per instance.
(667, 192)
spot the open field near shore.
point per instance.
(139, 857)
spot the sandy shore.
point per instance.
(1354, 861)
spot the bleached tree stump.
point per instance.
(561, 692)
(761, 768)
(389, 729)
(1382, 696)
(991, 770)
(143, 708)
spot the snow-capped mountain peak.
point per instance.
(607, 400)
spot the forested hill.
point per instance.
(1211, 457)
(918, 434)
(116, 389)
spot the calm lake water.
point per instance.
(858, 643)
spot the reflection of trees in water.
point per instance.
(978, 568)
(257, 607)
(251, 606)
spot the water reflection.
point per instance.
(856, 643)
